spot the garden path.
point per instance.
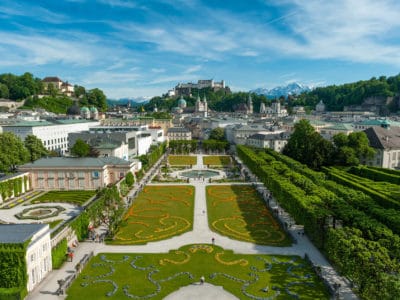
(201, 234)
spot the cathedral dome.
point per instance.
(182, 103)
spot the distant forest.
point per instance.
(335, 97)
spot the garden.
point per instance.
(217, 160)
(73, 197)
(237, 211)
(154, 276)
(182, 160)
(159, 212)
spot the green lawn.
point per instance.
(54, 224)
(182, 160)
(237, 211)
(154, 276)
(73, 197)
(158, 213)
(217, 160)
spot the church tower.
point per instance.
(205, 108)
(250, 105)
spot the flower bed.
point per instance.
(237, 211)
(73, 197)
(158, 213)
(40, 212)
(182, 160)
(154, 276)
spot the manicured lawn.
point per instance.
(217, 160)
(154, 276)
(73, 197)
(158, 213)
(182, 160)
(237, 211)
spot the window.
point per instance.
(81, 183)
(51, 182)
(95, 174)
(50, 174)
(81, 174)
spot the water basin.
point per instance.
(199, 174)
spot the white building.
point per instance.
(386, 143)
(38, 251)
(54, 135)
(274, 141)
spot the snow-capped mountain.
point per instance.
(132, 101)
(290, 89)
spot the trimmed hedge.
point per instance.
(375, 174)
(58, 254)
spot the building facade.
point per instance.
(54, 134)
(72, 173)
(179, 133)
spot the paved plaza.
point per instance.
(201, 234)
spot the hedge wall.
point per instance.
(58, 254)
(13, 272)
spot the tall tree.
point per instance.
(35, 147)
(80, 148)
(12, 152)
(97, 98)
(217, 134)
(308, 146)
(349, 150)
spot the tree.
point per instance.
(97, 98)
(52, 90)
(129, 179)
(79, 91)
(217, 134)
(4, 92)
(35, 147)
(308, 146)
(80, 148)
(349, 150)
(113, 208)
(12, 152)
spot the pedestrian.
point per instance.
(213, 240)
(202, 280)
(204, 211)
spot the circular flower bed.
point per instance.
(40, 212)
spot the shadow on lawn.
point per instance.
(260, 222)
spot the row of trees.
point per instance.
(14, 151)
(309, 147)
(363, 248)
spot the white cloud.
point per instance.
(111, 78)
(120, 3)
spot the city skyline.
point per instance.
(144, 48)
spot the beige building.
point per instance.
(386, 143)
(71, 173)
(179, 133)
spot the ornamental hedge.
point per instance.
(58, 254)
(333, 221)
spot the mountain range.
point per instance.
(276, 92)
(134, 101)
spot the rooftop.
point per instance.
(82, 162)
(18, 233)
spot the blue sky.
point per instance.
(145, 47)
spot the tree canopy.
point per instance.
(12, 152)
(308, 146)
(80, 148)
(35, 147)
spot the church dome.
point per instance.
(84, 109)
(93, 109)
(182, 102)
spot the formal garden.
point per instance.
(237, 211)
(73, 197)
(159, 212)
(154, 276)
(217, 160)
(182, 160)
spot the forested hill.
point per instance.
(336, 97)
(27, 87)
